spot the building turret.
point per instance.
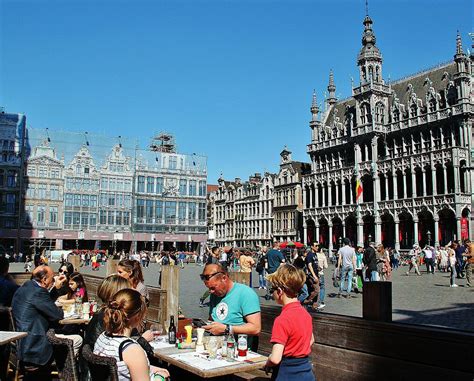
(332, 90)
(463, 70)
(369, 59)
(314, 108)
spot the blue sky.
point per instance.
(232, 80)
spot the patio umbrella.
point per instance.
(291, 244)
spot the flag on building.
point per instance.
(359, 189)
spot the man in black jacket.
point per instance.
(370, 261)
(34, 312)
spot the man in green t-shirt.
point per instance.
(234, 307)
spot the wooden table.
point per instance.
(9, 336)
(74, 321)
(232, 368)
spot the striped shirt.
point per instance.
(109, 346)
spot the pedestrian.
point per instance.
(443, 261)
(312, 279)
(452, 264)
(413, 258)
(370, 262)
(359, 268)
(322, 264)
(292, 332)
(460, 251)
(429, 260)
(261, 268)
(346, 263)
(300, 263)
(470, 261)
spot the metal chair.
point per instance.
(63, 353)
(101, 368)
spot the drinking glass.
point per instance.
(157, 330)
(212, 348)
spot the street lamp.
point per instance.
(370, 238)
(428, 236)
(340, 242)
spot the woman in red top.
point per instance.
(292, 334)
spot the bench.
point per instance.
(351, 348)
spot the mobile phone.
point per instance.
(198, 323)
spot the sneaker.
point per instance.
(454, 285)
(260, 288)
(201, 303)
(321, 306)
(407, 273)
(264, 288)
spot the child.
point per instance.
(292, 333)
(77, 289)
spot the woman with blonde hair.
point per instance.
(122, 314)
(131, 270)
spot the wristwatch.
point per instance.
(227, 329)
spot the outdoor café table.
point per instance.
(74, 321)
(183, 358)
(8, 336)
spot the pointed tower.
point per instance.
(463, 72)
(372, 94)
(370, 58)
(314, 124)
(331, 90)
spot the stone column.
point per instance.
(435, 233)
(397, 234)
(413, 182)
(343, 228)
(377, 193)
(305, 233)
(458, 228)
(330, 247)
(325, 197)
(343, 191)
(378, 231)
(457, 184)
(445, 179)
(387, 193)
(360, 233)
(395, 186)
(316, 196)
(433, 178)
(405, 193)
(304, 198)
(317, 233)
(415, 231)
(329, 194)
(424, 182)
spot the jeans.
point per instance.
(346, 271)
(303, 294)
(374, 276)
(452, 279)
(429, 265)
(262, 282)
(322, 289)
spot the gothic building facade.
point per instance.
(408, 142)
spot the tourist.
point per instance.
(312, 280)
(34, 312)
(470, 261)
(359, 274)
(246, 263)
(8, 286)
(223, 258)
(443, 259)
(130, 269)
(292, 333)
(413, 258)
(299, 262)
(429, 259)
(106, 290)
(234, 307)
(322, 264)
(212, 258)
(460, 252)
(77, 290)
(346, 263)
(261, 268)
(370, 262)
(122, 314)
(61, 281)
(274, 258)
(452, 263)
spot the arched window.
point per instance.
(379, 112)
(432, 105)
(377, 74)
(371, 73)
(365, 116)
(413, 110)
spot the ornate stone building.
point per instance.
(409, 142)
(243, 211)
(44, 190)
(288, 199)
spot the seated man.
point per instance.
(7, 285)
(234, 307)
(34, 312)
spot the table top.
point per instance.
(9, 336)
(74, 321)
(169, 355)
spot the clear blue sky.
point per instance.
(231, 79)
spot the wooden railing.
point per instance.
(350, 348)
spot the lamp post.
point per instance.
(428, 236)
(370, 238)
(340, 242)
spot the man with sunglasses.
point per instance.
(234, 307)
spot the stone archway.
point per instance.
(369, 228)
(351, 228)
(337, 232)
(447, 226)
(406, 230)
(310, 231)
(388, 230)
(324, 232)
(426, 232)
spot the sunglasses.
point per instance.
(62, 271)
(273, 289)
(206, 277)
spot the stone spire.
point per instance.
(459, 49)
(331, 89)
(369, 59)
(314, 107)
